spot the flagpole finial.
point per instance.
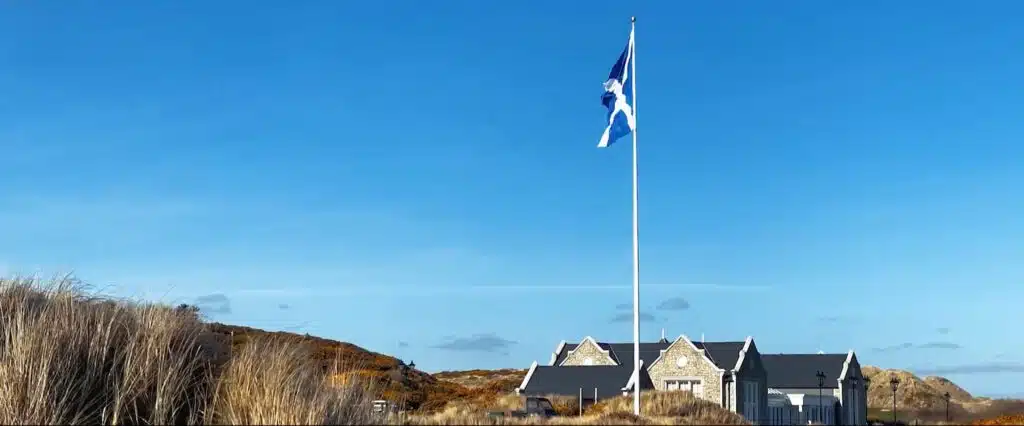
(632, 19)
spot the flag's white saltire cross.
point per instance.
(618, 98)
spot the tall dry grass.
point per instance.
(657, 408)
(273, 382)
(679, 405)
(70, 358)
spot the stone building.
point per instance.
(732, 374)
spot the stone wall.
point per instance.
(695, 366)
(587, 349)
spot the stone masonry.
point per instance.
(696, 366)
(587, 349)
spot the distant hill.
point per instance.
(428, 393)
(944, 385)
(507, 379)
(924, 397)
(417, 390)
(913, 392)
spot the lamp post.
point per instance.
(821, 383)
(946, 397)
(894, 383)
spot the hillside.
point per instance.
(431, 393)
(417, 390)
(913, 392)
(924, 397)
(944, 385)
(505, 380)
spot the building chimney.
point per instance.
(702, 337)
(663, 334)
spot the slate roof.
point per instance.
(608, 380)
(799, 370)
(723, 354)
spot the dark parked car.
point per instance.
(535, 407)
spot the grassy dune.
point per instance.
(661, 408)
(67, 357)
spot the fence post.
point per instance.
(581, 401)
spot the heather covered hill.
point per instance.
(924, 398)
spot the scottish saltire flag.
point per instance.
(618, 98)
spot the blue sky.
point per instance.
(422, 179)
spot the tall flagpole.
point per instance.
(636, 231)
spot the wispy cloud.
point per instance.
(483, 342)
(402, 344)
(911, 346)
(283, 306)
(981, 368)
(943, 330)
(420, 290)
(628, 317)
(216, 303)
(674, 304)
(939, 345)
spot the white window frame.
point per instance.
(686, 384)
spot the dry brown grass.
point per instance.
(504, 380)
(1011, 419)
(68, 358)
(678, 405)
(658, 408)
(272, 382)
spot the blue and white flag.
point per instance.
(618, 98)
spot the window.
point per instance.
(694, 386)
(751, 401)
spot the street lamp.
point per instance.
(894, 383)
(821, 404)
(946, 397)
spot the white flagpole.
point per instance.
(636, 232)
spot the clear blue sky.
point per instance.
(421, 178)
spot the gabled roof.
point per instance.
(799, 370)
(621, 353)
(608, 380)
(723, 354)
